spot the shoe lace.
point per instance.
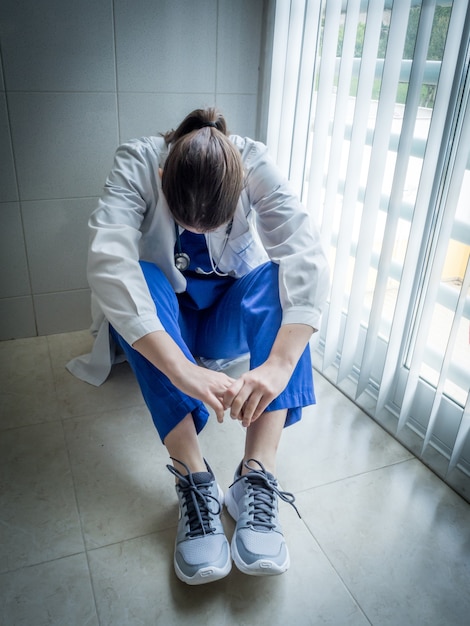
(263, 490)
(198, 503)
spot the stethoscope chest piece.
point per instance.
(182, 261)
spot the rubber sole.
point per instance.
(205, 575)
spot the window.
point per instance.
(369, 117)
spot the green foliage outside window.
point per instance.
(435, 50)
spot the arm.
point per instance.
(291, 241)
(249, 396)
(115, 276)
(131, 196)
(289, 236)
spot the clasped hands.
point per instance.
(247, 396)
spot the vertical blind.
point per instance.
(369, 117)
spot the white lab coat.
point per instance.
(132, 222)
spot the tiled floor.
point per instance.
(88, 513)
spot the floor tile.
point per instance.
(27, 391)
(334, 440)
(78, 398)
(223, 446)
(381, 541)
(39, 516)
(400, 540)
(17, 317)
(135, 583)
(54, 593)
(118, 464)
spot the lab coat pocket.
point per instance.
(246, 254)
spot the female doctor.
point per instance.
(199, 249)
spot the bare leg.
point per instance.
(262, 439)
(182, 444)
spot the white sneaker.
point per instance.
(258, 545)
(202, 552)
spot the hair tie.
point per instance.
(212, 124)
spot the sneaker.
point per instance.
(258, 546)
(202, 552)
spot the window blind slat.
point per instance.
(462, 435)
(395, 206)
(278, 72)
(324, 97)
(447, 357)
(338, 168)
(378, 160)
(430, 172)
(457, 160)
(291, 81)
(339, 127)
(305, 94)
(358, 139)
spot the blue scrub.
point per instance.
(217, 317)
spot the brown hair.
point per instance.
(203, 174)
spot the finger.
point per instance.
(232, 392)
(218, 407)
(238, 405)
(252, 408)
(261, 408)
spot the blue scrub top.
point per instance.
(202, 290)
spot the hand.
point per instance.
(206, 385)
(249, 396)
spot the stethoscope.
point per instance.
(183, 261)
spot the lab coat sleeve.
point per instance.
(114, 274)
(290, 238)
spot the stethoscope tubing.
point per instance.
(183, 260)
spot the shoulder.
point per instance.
(146, 149)
(251, 151)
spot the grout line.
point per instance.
(38, 563)
(340, 577)
(82, 531)
(358, 474)
(20, 205)
(116, 78)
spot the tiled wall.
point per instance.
(77, 78)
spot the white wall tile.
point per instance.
(63, 142)
(143, 114)
(240, 113)
(166, 46)
(62, 312)
(72, 99)
(58, 45)
(239, 44)
(2, 81)
(8, 188)
(56, 234)
(14, 279)
(17, 318)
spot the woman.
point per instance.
(199, 249)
